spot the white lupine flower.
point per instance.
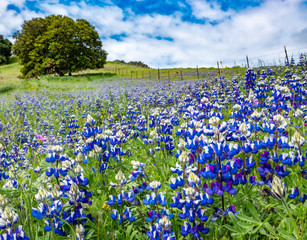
(108, 132)
(243, 129)
(190, 108)
(155, 184)
(155, 112)
(120, 134)
(120, 177)
(80, 231)
(218, 137)
(66, 165)
(214, 121)
(165, 223)
(135, 164)
(280, 120)
(89, 119)
(251, 94)
(3, 201)
(41, 194)
(8, 185)
(78, 169)
(79, 157)
(236, 107)
(153, 134)
(193, 178)
(184, 157)
(189, 191)
(97, 149)
(278, 188)
(181, 143)
(204, 100)
(55, 192)
(298, 113)
(89, 140)
(297, 140)
(256, 114)
(91, 154)
(57, 149)
(8, 217)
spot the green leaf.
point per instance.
(119, 235)
(128, 231)
(246, 218)
(246, 224)
(270, 228)
(133, 235)
(232, 217)
(231, 228)
(253, 210)
(90, 234)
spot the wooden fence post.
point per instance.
(218, 67)
(247, 61)
(158, 73)
(181, 74)
(286, 54)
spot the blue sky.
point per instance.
(182, 33)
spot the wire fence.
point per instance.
(272, 59)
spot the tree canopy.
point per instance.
(58, 45)
(5, 50)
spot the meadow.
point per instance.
(103, 155)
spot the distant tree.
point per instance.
(58, 45)
(134, 63)
(138, 64)
(5, 50)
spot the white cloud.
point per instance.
(205, 10)
(257, 31)
(10, 20)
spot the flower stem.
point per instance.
(52, 228)
(293, 222)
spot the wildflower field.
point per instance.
(215, 158)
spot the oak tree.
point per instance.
(5, 50)
(58, 45)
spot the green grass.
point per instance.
(10, 81)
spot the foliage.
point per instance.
(5, 50)
(145, 159)
(133, 63)
(58, 45)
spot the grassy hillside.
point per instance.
(9, 80)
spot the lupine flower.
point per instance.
(278, 188)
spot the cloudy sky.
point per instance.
(182, 33)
